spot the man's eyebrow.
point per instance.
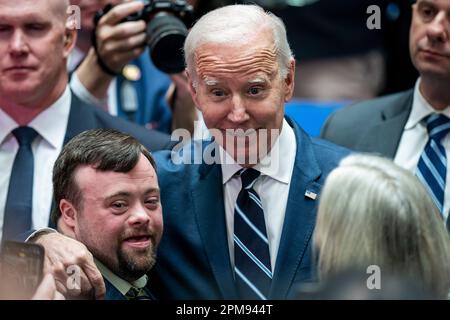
(129, 194)
(257, 80)
(119, 194)
(211, 82)
(152, 190)
(426, 2)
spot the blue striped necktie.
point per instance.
(253, 272)
(19, 200)
(432, 166)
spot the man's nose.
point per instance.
(18, 44)
(139, 215)
(437, 29)
(238, 113)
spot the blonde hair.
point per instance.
(235, 24)
(372, 212)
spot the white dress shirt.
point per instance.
(272, 187)
(120, 284)
(415, 137)
(51, 125)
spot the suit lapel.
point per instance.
(299, 218)
(385, 135)
(80, 119)
(211, 222)
(111, 292)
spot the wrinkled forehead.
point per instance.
(215, 61)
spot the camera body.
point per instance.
(167, 23)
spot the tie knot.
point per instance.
(24, 135)
(248, 177)
(137, 294)
(438, 126)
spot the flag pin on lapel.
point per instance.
(310, 194)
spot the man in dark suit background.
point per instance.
(410, 127)
(107, 196)
(35, 99)
(239, 218)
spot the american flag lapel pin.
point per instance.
(310, 194)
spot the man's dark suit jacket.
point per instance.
(371, 126)
(83, 117)
(193, 259)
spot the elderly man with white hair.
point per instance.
(239, 215)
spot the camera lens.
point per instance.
(165, 38)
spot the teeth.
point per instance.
(240, 132)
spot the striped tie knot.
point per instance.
(248, 177)
(438, 126)
(137, 294)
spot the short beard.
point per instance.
(129, 269)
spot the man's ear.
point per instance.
(193, 89)
(68, 222)
(70, 39)
(289, 81)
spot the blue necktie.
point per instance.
(19, 201)
(432, 166)
(253, 271)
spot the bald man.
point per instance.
(39, 114)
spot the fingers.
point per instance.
(46, 290)
(119, 60)
(95, 279)
(73, 267)
(121, 31)
(119, 42)
(121, 11)
(126, 45)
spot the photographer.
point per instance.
(120, 76)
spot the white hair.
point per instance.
(373, 212)
(235, 24)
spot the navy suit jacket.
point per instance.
(374, 126)
(193, 257)
(84, 117)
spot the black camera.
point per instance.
(167, 23)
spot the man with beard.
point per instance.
(107, 197)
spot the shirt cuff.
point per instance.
(39, 232)
(80, 90)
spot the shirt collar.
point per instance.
(7, 124)
(50, 124)
(421, 108)
(280, 158)
(120, 284)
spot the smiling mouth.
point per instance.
(138, 241)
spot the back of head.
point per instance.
(236, 25)
(373, 212)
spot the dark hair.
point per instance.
(103, 149)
